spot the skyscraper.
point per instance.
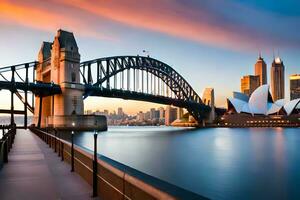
(261, 70)
(249, 83)
(120, 112)
(295, 86)
(152, 113)
(277, 79)
(161, 113)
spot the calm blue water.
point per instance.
(223, 163)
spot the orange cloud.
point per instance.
(166, 17)
(43, 19)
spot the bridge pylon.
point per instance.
(59, 63)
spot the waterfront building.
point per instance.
(161, 113)
(156, 114)
(88, 112)
(105, 112)
(140, 116)
(152, 113)
(249, 83)
(260, 69)
(261, 103)
(294, 86)
(277, 79)
(259, 110)
(147, 115)
(170, 115)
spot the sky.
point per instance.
(211, 43)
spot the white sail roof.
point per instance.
(280, 102)
(258, 102)
(291, 105)
(274, 108)
(237, 103)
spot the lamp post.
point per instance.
(72, 148)
(95, 170)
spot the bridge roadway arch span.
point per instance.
(137, 69)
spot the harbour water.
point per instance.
(219, 163)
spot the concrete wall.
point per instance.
(116, 181)
(82, 122)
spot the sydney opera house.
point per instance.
(260, 110)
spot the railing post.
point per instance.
(1, 154)
(8, 141)
(50, 140)
(62, 150)
(40, 112)
(95, 170)
(72, 152)
(5, 153)
(55, 132)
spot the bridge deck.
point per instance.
(34, 171)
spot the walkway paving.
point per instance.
(34, 171)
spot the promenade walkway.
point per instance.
(34, 171)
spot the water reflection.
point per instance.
(260, 163)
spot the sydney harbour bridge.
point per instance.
(139, 78)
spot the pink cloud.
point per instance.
(44, 19)
(170, 17)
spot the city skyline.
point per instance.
(221, 42)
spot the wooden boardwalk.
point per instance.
(34, 171)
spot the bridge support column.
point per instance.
(26, 98)
(25, 111)
(12, 120)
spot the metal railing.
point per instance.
(6, 142)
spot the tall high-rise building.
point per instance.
(249, 83)
(161, 113)
(277, 79)
(152, 113)
(261, 70)
(147, 115)
(120, 111)
(140, 116)
(170, 115)
(295, 86)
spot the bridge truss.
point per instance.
(141, 78)
(20, 81)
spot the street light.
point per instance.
(72, 147)
(95, 170)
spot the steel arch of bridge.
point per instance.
(108, 68)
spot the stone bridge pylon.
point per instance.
(59, 63)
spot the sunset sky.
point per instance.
(212, 43)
